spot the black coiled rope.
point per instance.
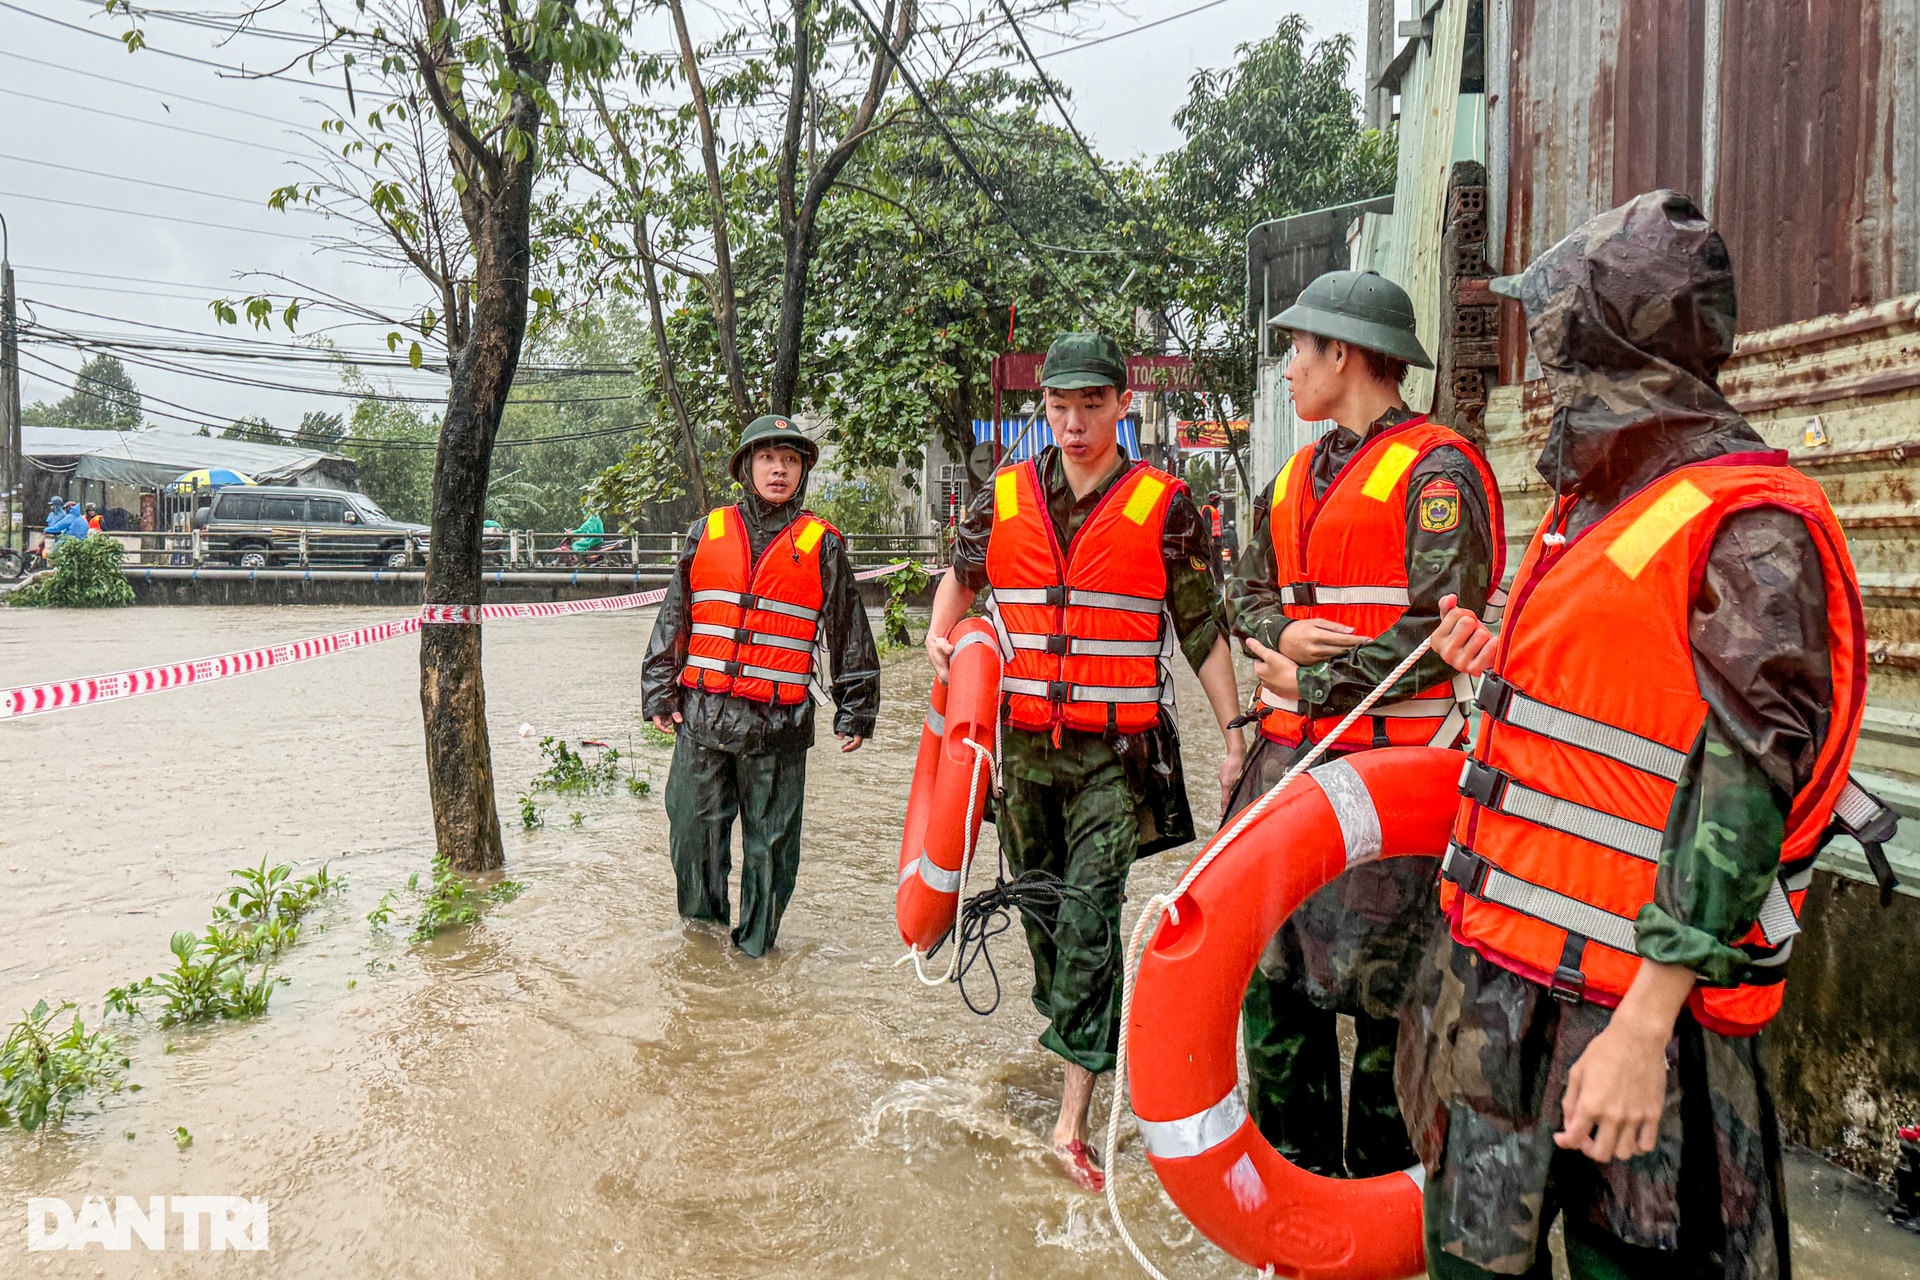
(1037, 895)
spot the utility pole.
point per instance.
(12, 468)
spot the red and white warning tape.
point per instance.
(59, 695)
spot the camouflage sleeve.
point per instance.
(1186, 545)
(970, 544)
(1253, 597)
(1762, 656)
(1449, 552)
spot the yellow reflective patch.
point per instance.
(810, 537)
(1387, 472)
(1006, 495)
(717, 523)
(1280, 483)
(1140, 505)
(1668, 515)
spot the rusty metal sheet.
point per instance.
(1797, 124)
(1841, 393)
(1817, 152)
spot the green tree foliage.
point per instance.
(319, 430)
(1275, 134)
(86, 575)
(254, 429)
(103, 398)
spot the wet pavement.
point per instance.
(580, 1086)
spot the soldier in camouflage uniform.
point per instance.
(1631, 317)
(1083, 805)
(1354, 946)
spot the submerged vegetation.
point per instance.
(213, 974)
(451, 901)
(44, 1070)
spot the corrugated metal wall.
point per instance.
(1797, 125)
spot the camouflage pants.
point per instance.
(1484, 1056)
(1072, 814)
(1354, 947)
(706, 791)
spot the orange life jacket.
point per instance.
(1343, 557)
(755, 625)
(1085, 630)
(1591, 710)
(1212, 513)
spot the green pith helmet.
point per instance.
(1361, 307)
(770, 429)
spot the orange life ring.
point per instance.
(1182, 1068)
(941, 826)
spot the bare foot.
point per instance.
(1081, 1163)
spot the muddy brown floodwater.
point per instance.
(581, 1085)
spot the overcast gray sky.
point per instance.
(134, 186)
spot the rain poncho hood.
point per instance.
(1632, 316)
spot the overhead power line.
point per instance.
(251, 203)
(156, 124)
(959, 153)
(147, 88)
(146, 215)
(1134, 30)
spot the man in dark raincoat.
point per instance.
(1513, 1095)
(736, 754)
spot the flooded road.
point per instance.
(581, 1085)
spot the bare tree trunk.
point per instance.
(453, 699)
(726, 306)
(696, 475)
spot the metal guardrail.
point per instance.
(502, 550)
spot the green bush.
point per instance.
(86, 575)
(902, 586)
(44, 1070)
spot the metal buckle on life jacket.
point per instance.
(1302, 594)
(1569, 985)
(1483, 784)
(1057, 596)
(1465, 868)
(1057, 645)
(748, 600)
(1493, 696)
(1059, 691)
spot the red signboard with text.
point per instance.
(1021, 372)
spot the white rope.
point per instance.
(1164, 903)
(972, 828)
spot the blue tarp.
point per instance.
(1022, 440)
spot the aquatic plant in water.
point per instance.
(44, 1071)
(568, 771)
(451, 901)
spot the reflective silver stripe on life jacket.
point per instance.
(1023, 595)
(1083, 692)
(1483, 880)
(741, 670)
(1312, 593)
(1198, 1133)
(1114, 600)
(1510, 706)
(799, 644)
(1478, 877)
(1497, 791)
(762, 603)
(1496, 607)
(1088, 648)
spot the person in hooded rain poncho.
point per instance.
(762, 589)
(1627, 1106)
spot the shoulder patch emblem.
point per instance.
(1199, 565)
(1439, 507)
